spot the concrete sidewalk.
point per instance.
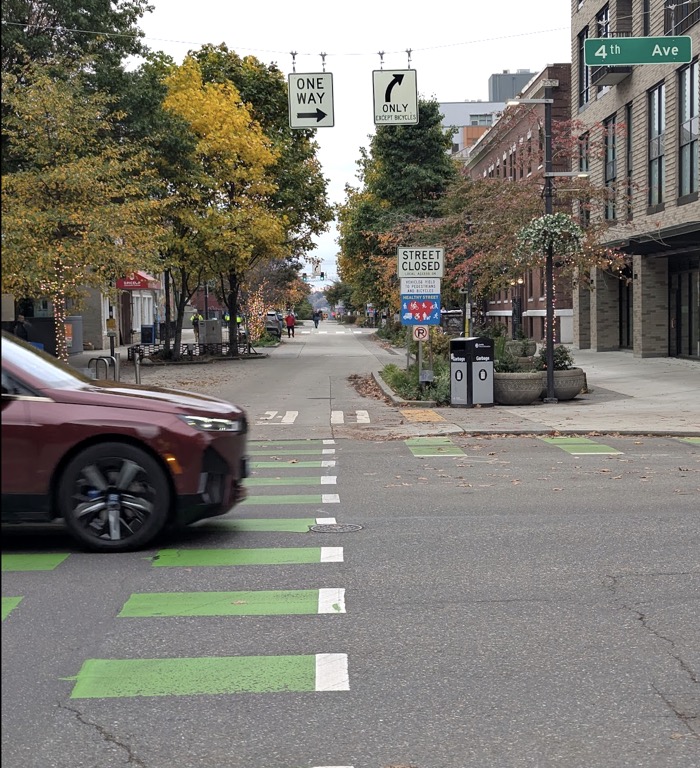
(627, 395)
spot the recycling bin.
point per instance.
(471, 371)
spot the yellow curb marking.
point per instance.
(420, 414)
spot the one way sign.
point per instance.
(310, 100)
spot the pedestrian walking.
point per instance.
(21, 328)
(317, 317)
(290, 321)
(196, 319)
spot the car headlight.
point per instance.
(205, 424)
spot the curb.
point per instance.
(396, 400)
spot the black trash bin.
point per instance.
(471, 371)
(148, 334)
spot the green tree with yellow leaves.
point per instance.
(80, 210)
(222, 216)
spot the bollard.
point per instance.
(137, 368)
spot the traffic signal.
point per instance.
(323, 275)
(303, 275)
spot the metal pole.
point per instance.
(549, 265)
(206, 300)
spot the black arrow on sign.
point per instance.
(398, 79)
(317, 114)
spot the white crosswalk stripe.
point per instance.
(290, 417)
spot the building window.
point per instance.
(680, 16)
(657, 128)
(688, 139)
(610, 127)
(602, 20)
(629, 155)
(481, 120)
(584, 74)
(646, 18)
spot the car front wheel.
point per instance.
(114, 497)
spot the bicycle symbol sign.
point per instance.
(420, 332)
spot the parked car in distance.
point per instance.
(117, 462)
(274, 323)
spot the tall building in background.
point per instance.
(507, 85)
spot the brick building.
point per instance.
(650, 114)
(513, 150)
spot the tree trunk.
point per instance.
(166, 336)
(232, 305)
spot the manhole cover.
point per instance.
(335, 528)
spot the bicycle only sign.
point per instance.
(619, 51)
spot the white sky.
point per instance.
(453, 52)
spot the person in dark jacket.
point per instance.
(21, 329)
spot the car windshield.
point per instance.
(52, 372)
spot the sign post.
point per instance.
(620, 51)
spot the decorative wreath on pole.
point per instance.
(556, 230)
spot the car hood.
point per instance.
(144, 399)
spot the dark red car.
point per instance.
(118, 463)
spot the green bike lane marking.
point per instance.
(127, 678)
(37, 562)
(267, 443)
(291, 464)
(275, 524)
(433, 446)
(247, 603)
(8, 605)
(297, 452)
(254, 482)
(311, 498)
(192, 558)
(691, 440)
(580, 446)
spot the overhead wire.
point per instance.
(146, 39)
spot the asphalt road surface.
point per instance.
(379, 600)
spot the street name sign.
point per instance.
(310, 100)
(420, 262)
(395, 97)
(620, 51)
(420, 285)
(420, 309)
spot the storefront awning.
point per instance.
(138, 281)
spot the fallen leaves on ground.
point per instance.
(367, 387)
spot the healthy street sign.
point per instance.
(420, 309)
(310, 100)
(395, 97)
(619, 51)
(420, 262)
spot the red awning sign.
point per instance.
(138, 281)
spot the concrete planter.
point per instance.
(567, 384)
(517, 388)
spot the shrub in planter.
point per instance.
(568, 379)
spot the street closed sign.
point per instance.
(420, 262)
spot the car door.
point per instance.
(24, 484)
